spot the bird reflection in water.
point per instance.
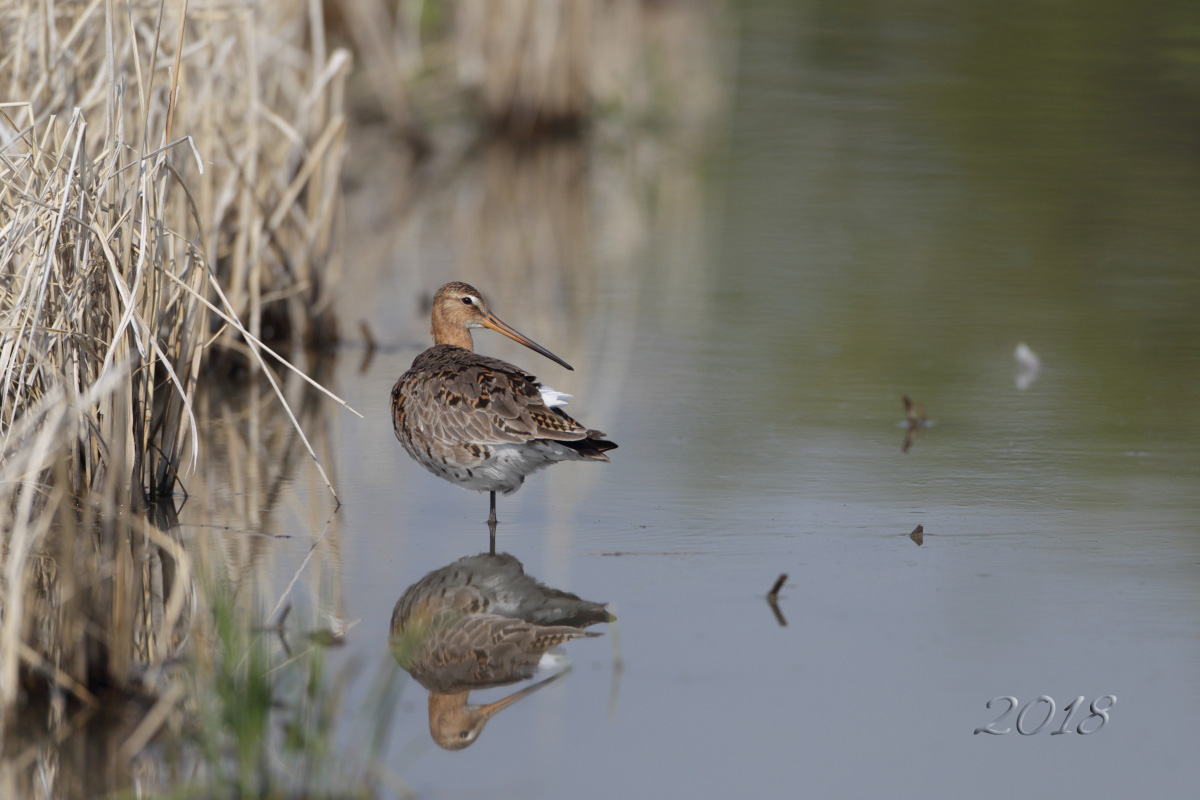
(477, 623)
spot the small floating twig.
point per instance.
(772, 599)
(915, 414)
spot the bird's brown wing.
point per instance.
(453, 394)
(490, 584)
(474, 651)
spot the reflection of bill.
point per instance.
(477, 623)
(1097, 712)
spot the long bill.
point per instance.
(488, 711)
(493, 322)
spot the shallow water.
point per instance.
(892, 205)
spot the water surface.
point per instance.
(896, 199)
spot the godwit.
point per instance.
(481, 622)
(480, 422)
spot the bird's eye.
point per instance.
(468, 301)
(464, 734)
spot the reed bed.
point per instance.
(169, 185)
(242, 668)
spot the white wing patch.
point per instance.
(553, 661)
(553, 399)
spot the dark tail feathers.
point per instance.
(594, 446)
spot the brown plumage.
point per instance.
(480, 422)
(460, 651)
(481, 622)
(493, 584)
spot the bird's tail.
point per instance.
(594, 446)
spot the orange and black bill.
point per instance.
(493, 322)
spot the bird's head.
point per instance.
(458, 307)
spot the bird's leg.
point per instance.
(492, 526)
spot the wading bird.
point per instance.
(480, 422)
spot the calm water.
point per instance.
(892, 204)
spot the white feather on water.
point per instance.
(1028, 366)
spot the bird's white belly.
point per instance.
(498, 468)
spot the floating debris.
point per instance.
(917, 422)
(918, 535)
(773, 597)
(915, 414)
(1028, 366)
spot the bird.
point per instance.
(480, 422)
(476, 623)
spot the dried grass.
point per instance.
(169, 184)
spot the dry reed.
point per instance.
(169, 184)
